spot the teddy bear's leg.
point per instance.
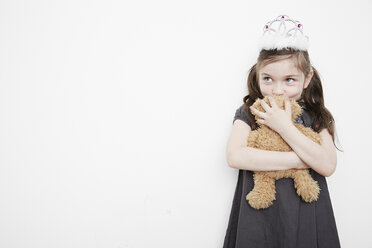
(263, 193)
(306, 186)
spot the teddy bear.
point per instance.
(263, 193)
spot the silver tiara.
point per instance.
(283, 32)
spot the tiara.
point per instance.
(283, 32)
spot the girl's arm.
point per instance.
(240, 156)
(249, 158)
(321, 158)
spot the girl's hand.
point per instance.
(275, 118)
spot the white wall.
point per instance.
(115, 117)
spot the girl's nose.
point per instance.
(278, 89)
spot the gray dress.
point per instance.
(289, 222)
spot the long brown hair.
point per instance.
(311, 97)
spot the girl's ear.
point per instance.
(308, 78)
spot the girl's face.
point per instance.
(283, 78)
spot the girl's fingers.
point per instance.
(256, 112)
(287, 104)
(272, 102)
(265, 106)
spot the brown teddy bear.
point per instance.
(263, 193)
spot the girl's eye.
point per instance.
(265, 78)
(287, 79)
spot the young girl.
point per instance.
(283, 68)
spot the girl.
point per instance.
(283, 68)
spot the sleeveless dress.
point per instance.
(289, 222)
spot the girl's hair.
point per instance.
(311, 97)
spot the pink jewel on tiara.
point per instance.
(299, 25)
(266, 26)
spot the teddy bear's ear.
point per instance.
(296, 110)
(257, 105)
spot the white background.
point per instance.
(115, 117)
